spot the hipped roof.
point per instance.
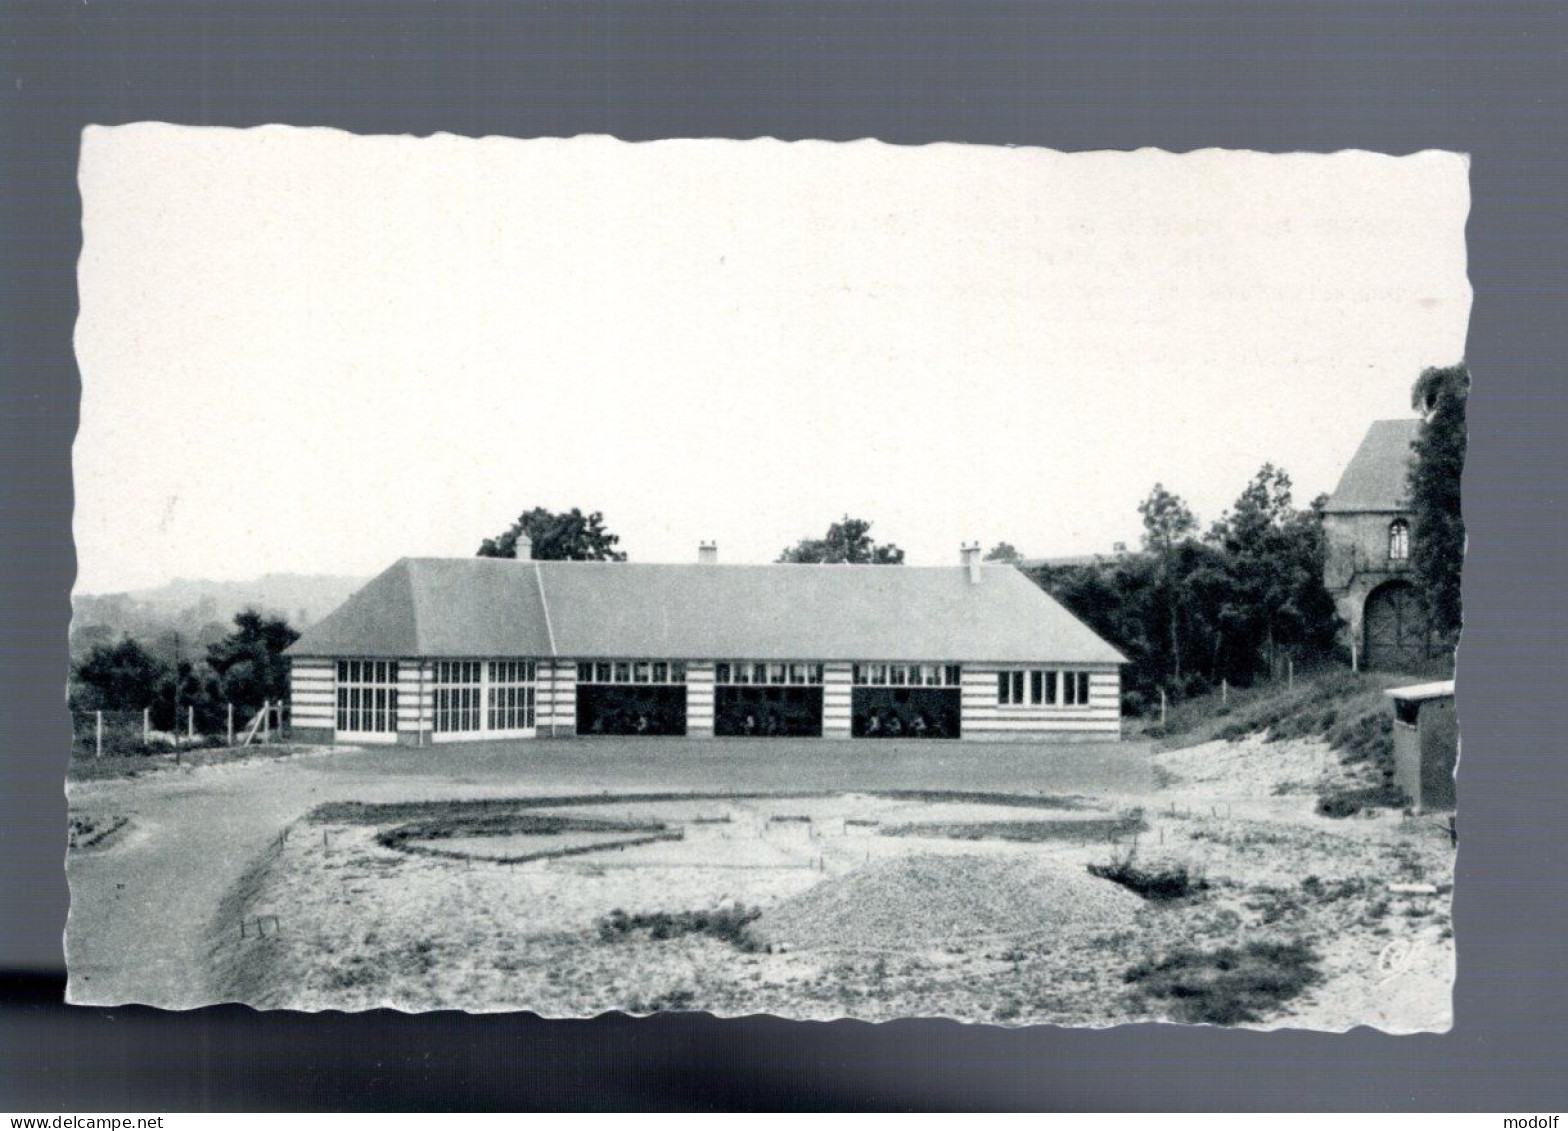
(503, 607)
(1375, 478)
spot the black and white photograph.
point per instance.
(816, 579)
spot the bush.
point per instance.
(1341, 803)
(1157, 884)
(728, 924)
(1228, 986)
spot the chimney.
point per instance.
(525, 548)
(708, 553)
(970, 556)
(1118, 548)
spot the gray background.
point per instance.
(1485, 79)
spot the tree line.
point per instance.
(246, 668)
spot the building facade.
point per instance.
(433, 651)
(1369, 530)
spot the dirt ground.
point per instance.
(141, 910)
(287, 912)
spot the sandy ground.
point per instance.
(141, 910)
(331, 919)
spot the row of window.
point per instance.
(632, 671)
(457, 709)
(367, 671)
(456, 672)
(367, 710)
(1042, 688)
(738, 671)
(907, 675)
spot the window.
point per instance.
(1046, 688)
(901, 675)
(1398, 540)
(367, 696)
(738, 671)
(1075, 689)
(1010, 688)
(632, 671)
(458, 685)
(510, 695)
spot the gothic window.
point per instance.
(1398, 540)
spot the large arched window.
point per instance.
(1398, 540)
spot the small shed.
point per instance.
(1426, 744)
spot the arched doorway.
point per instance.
(1395, 628)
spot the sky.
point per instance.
(306, 351)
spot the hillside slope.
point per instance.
(1347, 711)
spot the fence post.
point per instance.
(1355, 658)
(266, 719)
(1290, 673)
(146, 726)
(1162, 706)
(230, 725)
(1224, 691)
(99, 746)
(190, 723)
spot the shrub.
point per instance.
(728, 924)
(1158, 884)
(1228, 986)
(1342, 803)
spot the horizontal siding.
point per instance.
(556, 705)
(837, 693)
(415, 699)
(983, 716)
(699, 698)
(312, 693)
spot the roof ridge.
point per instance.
(544, 604)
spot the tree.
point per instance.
(1004, 552)
(846, 541)
(1168, 522)
(1271, 579)
(1191, 612)
(119, 677)
(1437, 546)
(249, 663)
(570, 536)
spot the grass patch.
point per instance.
(1341, 802)
(1018, 800)
(1029, 832)
(728, 924)
(89, 832)
(414, 836)
(157, 759)
(1228, 986)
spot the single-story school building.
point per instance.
(448, 650)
